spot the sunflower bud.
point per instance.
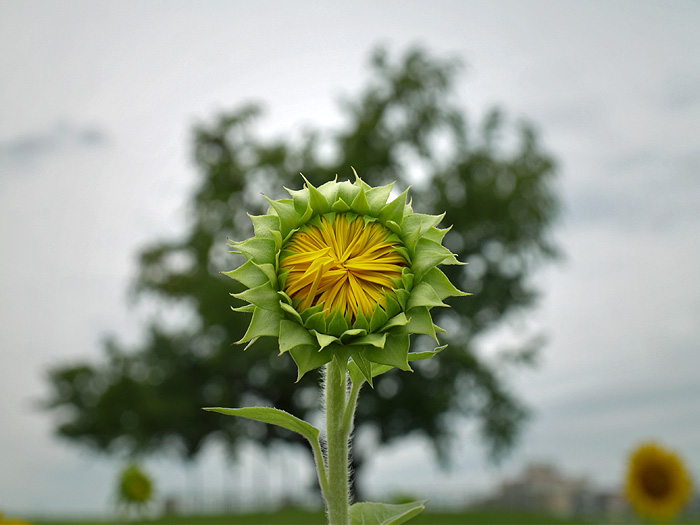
(337, 271)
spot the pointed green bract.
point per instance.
(263, 296)
(263, 323)
(249, 275)
(265, 225)
(308, 357)
(441, 284)
(314, 336)
(292, 334)
(258, 249)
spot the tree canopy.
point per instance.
(404, 126)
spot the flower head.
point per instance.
(658, 485)
(348, 265)
(135, 487)
(339, 272)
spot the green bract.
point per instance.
(376, 342)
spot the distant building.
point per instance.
(542, 488)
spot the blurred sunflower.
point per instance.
(658, 485)
(12, 521)
(135, 487)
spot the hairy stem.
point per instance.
(337, 445)
(320, 467)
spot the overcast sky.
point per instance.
(97, 101)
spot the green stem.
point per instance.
(320, 467)
(349, 416)
(337, 446)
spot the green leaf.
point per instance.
(420, 322)
(394, 353)
(441, 284)
(392, 304)
(340, 206)
(397, 320)
(436, 234)
(316, 322)
(284, 209)
(282, 278)
(263, 323)
(318, 202)
(324, 339)
(378, 370)
(363, 365)
(305, 314)
(291, 311)
(424, 295)
(393, 226)
(300, 199)
(394, 210)
(361, 322)
(329, 190)
(376, 340)
(377, 197)
(336, 323)
(403, 252)
(256, 249)
(359, 203)
(416, 221)
(263, 296)
(378, 319)
(402, 298)
(269, 270)
(248, 274)
(273, 416)
(247, 308)
(304, 217)
(286, 298)
(411, 236)
(307, 358)
(293, 334)
(420, 356)
(384, 513)
(347, 192)
(265, 225)
(407, 278)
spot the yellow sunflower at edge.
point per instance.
(346, 265)
(658, 485)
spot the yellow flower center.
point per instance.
(346, 265)
(655, 480)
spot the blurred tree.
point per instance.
(499, 199)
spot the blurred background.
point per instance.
(560, 137)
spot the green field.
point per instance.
(300, 517)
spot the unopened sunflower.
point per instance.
(135, 487)
(337, 271)
(658, 485)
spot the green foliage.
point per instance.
(272, 416)
(291, 516)
(499, 201)
(384, 513)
